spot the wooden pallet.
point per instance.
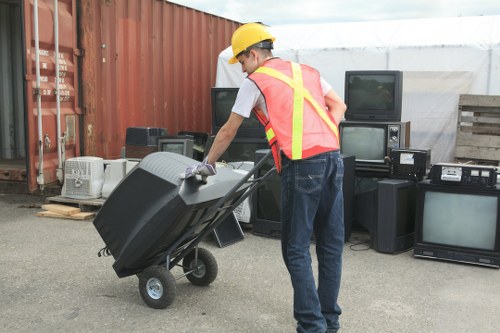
(478, 129)
(85, 205)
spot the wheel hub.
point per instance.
(154, 288)
(199, 270)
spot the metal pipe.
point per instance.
(60, 140)
(40, 178)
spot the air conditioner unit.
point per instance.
(83, 177)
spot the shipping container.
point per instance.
(39, 94)
(146, 63)
(75, 74)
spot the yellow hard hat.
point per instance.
(246, 36)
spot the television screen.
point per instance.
(366, 143)
(460, 219)
(222, 103)
(375, 95)
(177, 145)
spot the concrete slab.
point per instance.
(51, 280)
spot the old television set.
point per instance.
(222, 104)
(458, 223)
(240, 149)
(178, 145)
(371, 142)
(374, 95)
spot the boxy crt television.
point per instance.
(371, 141)
(182, 146)
(373, 95)
(222, 103)
(458, 223)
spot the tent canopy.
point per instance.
(441, 59)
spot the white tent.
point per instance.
(440, 58)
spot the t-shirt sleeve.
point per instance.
(247, 98)
(325, 86)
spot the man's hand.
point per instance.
(204, 170)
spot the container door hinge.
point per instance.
(79, 52)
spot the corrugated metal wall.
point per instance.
(146, 63)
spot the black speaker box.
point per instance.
(394, 226)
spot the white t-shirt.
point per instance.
(249, 96)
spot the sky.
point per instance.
(278, 12)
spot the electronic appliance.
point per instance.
(371, 143)
(114, 172)
(222, 103)
(141, 141)
(412, 164)
(83, 177)
(373, 95)
(240, 149)
(463, 175)
(200, 141)
(151, 213)
(179, 145)
(458, 223)
(266, 200)
(394, 227)
(243, 211)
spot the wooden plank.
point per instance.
(61, 209)
(479, 100)
(89, 202)
(469, 139)
(482, 119)
(480, 130)
(77, 216)
(480, 153)
(490, 111)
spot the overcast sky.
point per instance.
(275, 12)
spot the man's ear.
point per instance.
(254, 53)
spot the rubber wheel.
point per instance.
(157, 287)
(204, 270)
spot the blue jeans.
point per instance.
(312, 201)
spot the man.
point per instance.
(300, 112)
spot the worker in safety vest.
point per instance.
(300, 112)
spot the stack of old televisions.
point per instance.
(384, 199)
(458, 215)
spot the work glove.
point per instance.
(204, 170)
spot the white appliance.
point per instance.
(243, 211)
(83, 177)
(114, 172)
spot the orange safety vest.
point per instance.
(298, 122)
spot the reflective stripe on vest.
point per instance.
(300, 92)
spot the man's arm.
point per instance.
(335, 105)
(224, 137)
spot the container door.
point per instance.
(52, 113)
(12, 106)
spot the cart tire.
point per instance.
(157, 287)
(203, 271)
